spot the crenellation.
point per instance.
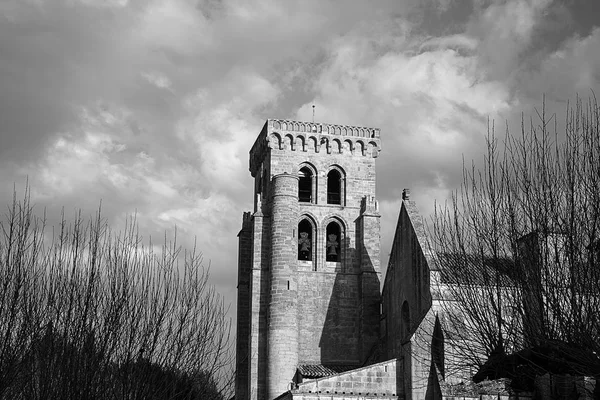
(369, 205)
(310, 137)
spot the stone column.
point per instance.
(282, 325)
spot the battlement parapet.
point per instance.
(312, 136)
(247, 220)
(369, 205)
(331, 129)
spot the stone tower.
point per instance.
(308, 269)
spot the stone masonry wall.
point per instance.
(329, 312)
(243, 306)
(328, 318)
(259, 290)
(329, 304)
(368, 244)
(406, 303)
(376, 380)
(406, 282)
(282, 321)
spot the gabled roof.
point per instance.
(313, 371)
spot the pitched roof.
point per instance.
(460, 268)
(320, 370)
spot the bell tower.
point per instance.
(308, 260)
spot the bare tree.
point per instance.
(86, 312)
(518, 250)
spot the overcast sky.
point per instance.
(152, 106)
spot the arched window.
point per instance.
(305, 240)
(332, 242)
(305, 185)
(334, 187)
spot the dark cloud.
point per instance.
(152, 106)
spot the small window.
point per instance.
(305, 237)
(305, 185)
(334, 187)
(332, 242)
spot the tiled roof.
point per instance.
(460, 268)
(319, 370)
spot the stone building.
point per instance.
(311, 320)
(309, 274)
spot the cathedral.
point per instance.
(312, 321)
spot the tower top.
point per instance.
(282, 133)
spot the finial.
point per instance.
(406, 194)
(313, 113)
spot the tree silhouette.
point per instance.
(90, 313)
(517, 252)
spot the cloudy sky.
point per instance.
(151, 106)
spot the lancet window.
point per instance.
(335, 187)
(305, 185)
(305, 240)
(333, 242)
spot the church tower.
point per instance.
(308, 260)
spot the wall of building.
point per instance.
(334, 303)
(328, 294)
(406, 296)
(407, 319)
(328, 317)
(243, 303)
(258, 302)
(377, 380)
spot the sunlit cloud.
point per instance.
(151, 107)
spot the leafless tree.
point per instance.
(87, 312)
(518, 249)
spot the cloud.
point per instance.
(432, 97)
(572, 69)
(457, 42)
(152, 106)
(53, 63)
(505, 31)
(106, 3)
(431, 104)
(157, 79)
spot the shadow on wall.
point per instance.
(436, 363)
(434, 391)
(261, 352)
(370, 297)
(339, 337)
(351, 327)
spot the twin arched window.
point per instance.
(307, 186)
(306, 241)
